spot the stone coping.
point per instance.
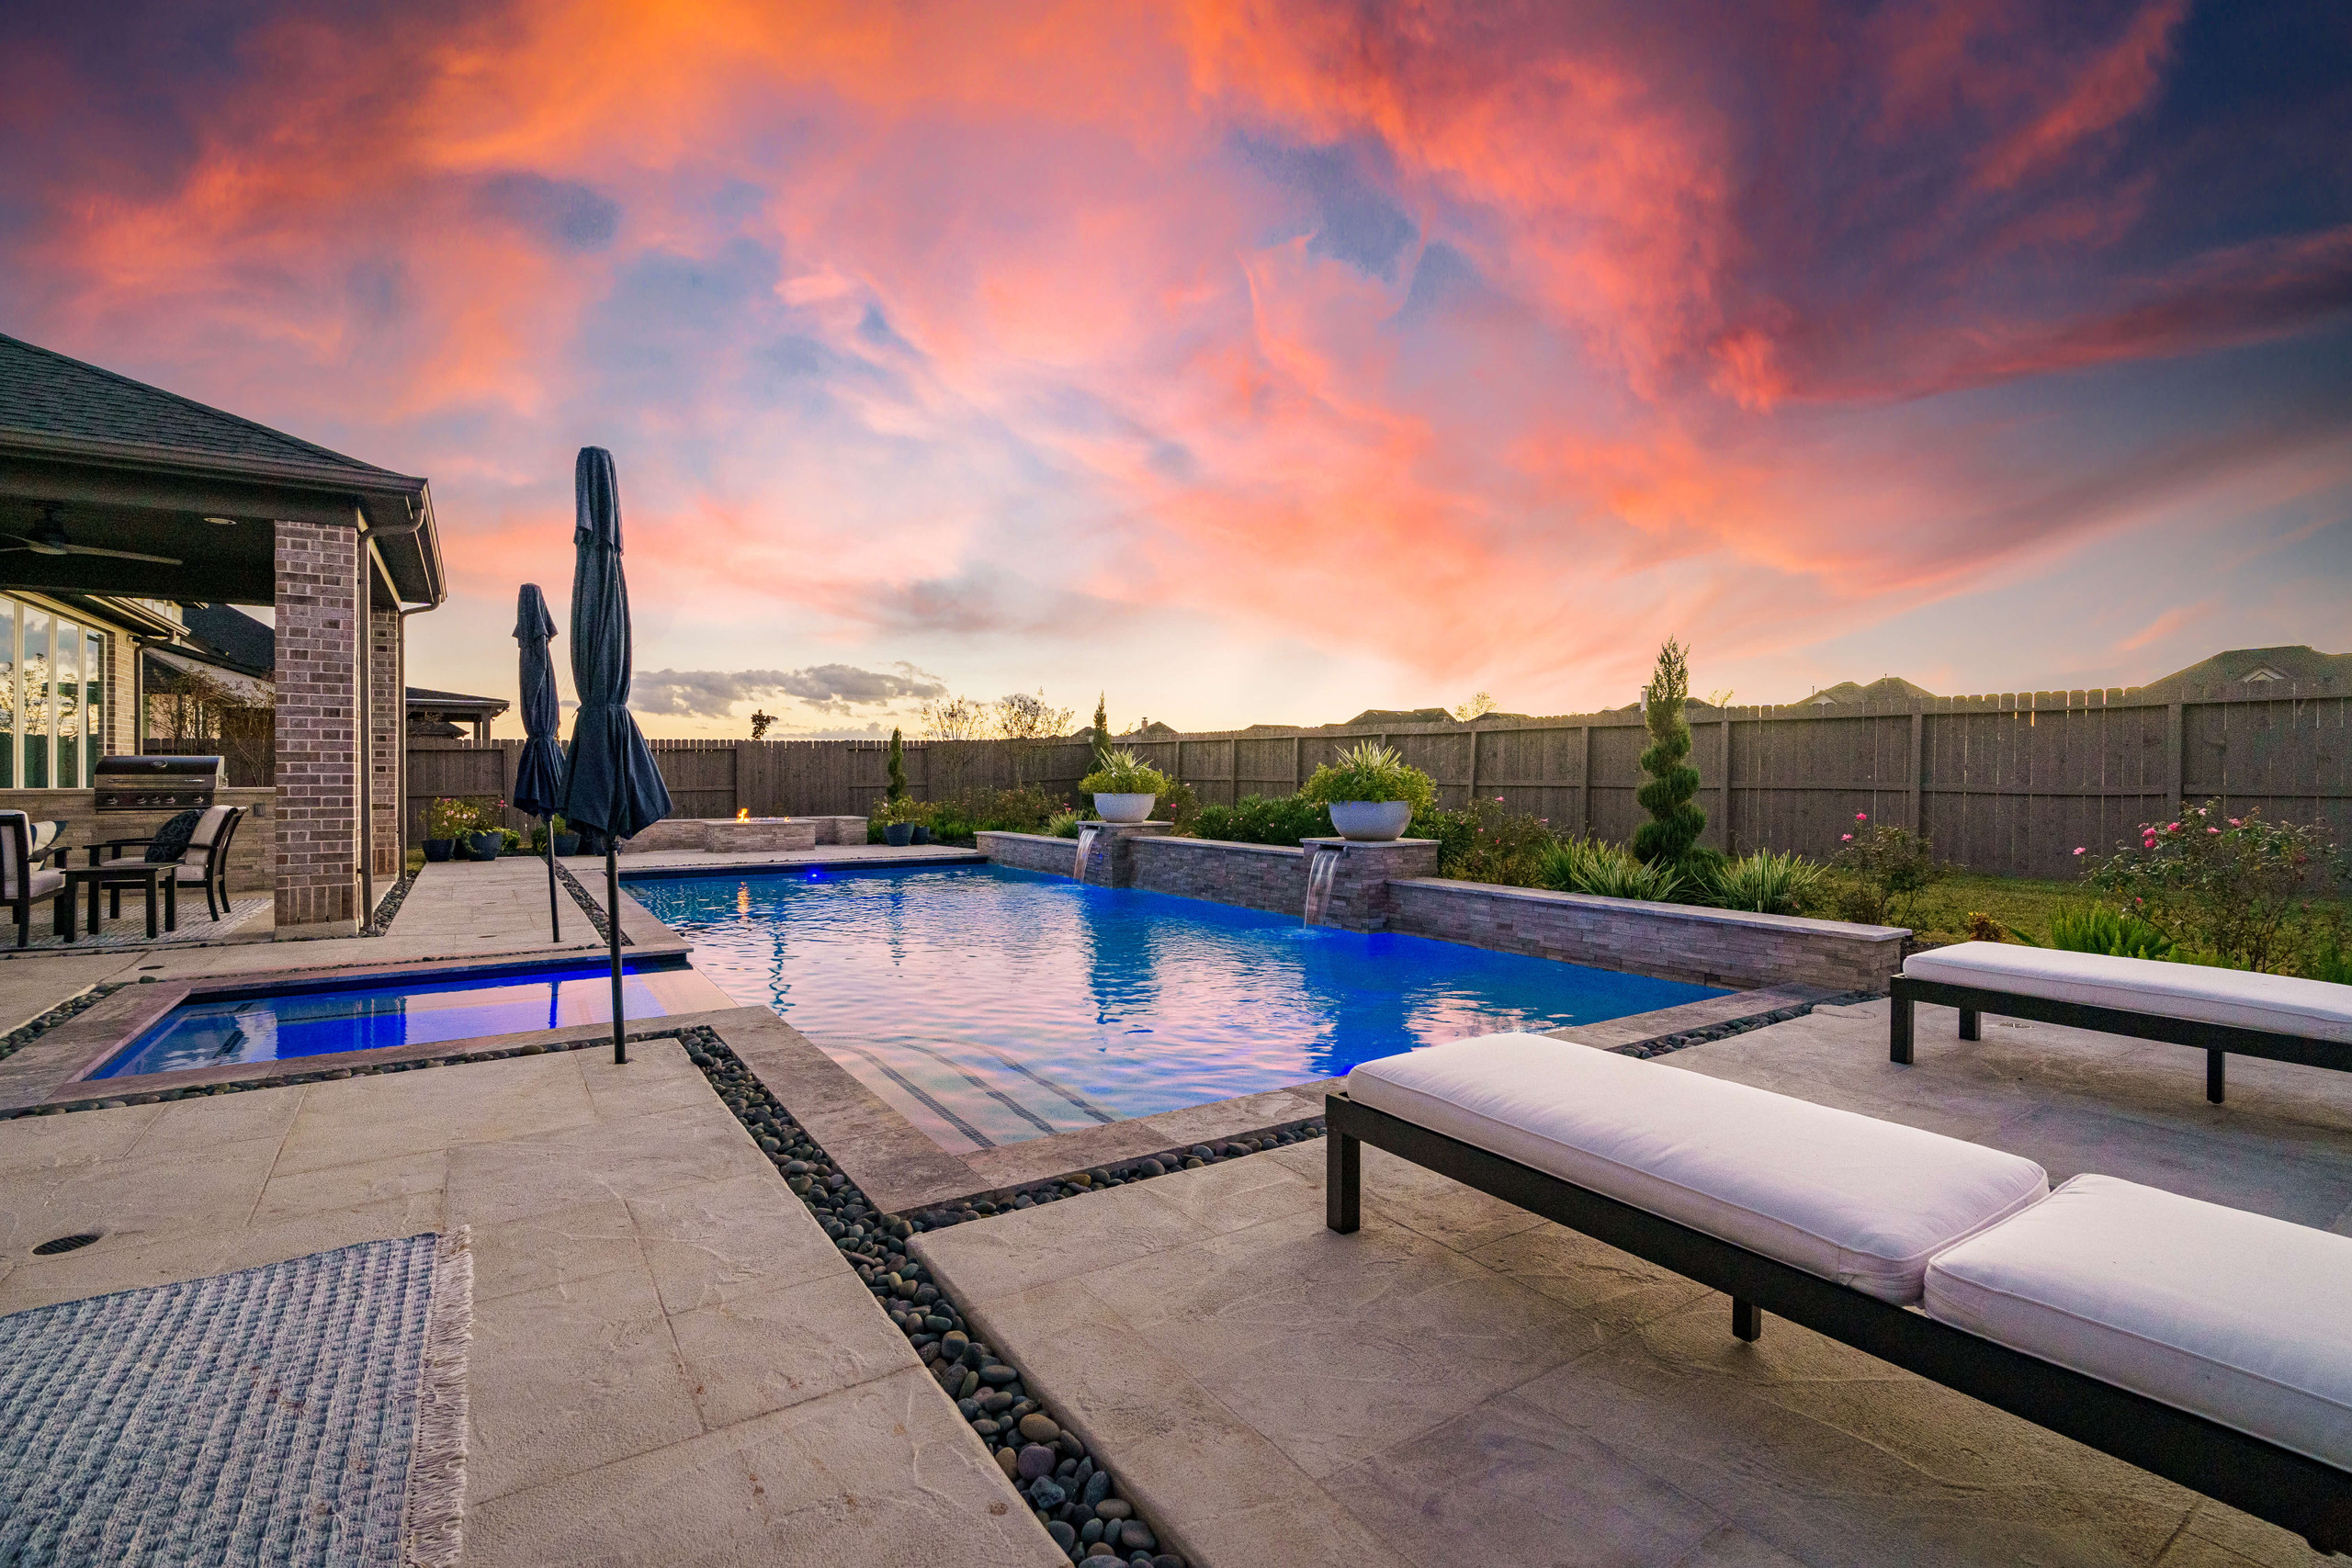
(705, 865)
(1698, 914)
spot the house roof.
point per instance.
(421, 699)
(117, 462)
(1885, 689)
(233, 635)
(2298, 665)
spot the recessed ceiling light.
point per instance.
(222, 522)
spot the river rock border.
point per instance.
(1661, 1044)
(589, 906)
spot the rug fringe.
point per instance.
(431, 1527)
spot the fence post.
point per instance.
(1918, 754)
(2176, 746)
(1474, 766)
(1584, 788)
(1730, 845)
(1298, 775)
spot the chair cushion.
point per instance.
(45, 882)
(1861, 1201)
(44, 835)
(208, 826)
(2282, 1004)
(2238, 1317)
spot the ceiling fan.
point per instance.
(48, 539)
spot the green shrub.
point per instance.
(1676, 822)
(454, 817)
(514, 841)
(1370, 770)
(1124, 772)
(1488, 842)
(1266, 819)
(1064, 824)
(1609, 870)
(2242, 888)
(1765, 883)
(906, 809)
(2093, 927)
(896, 787)
(1882, 871)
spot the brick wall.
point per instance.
(388, 742)
(1672, 941)
(319, 670)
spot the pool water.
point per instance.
(989, 1005)
(419, 1011)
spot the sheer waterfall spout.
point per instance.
(1322, 866)
(1085, 848)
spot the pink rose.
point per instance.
(1848, 838)
(1862, 816)
(2234, 822)
(2080, 850)
(2213, 830)
(2172, 828)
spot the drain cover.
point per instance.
(64, 1244)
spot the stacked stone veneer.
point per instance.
(725, 835)
(1272, 877)
(321, 653)
(1109, 863)
(1672, 941)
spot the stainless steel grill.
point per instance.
(156, 784)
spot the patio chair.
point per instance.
(203, 855)
(2202, 1343)
(23, 844)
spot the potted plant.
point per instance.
(1372, 791)
(896, 819)
(445, 820)
(567, 842)
(1124, 787)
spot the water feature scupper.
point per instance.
(1322, 868)
(1085, 847)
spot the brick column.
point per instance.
(388, 742)
(319, 665)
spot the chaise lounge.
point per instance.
(2276, 1016)
(2208, 1345)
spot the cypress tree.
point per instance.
(1101, 734)
(898, 789)
(1676, 822)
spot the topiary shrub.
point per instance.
(896, 789)
(1675, 821)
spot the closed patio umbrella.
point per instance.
(538, 772)
(610, 784)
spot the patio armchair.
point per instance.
(202, 854)
(24, 845)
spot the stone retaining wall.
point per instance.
(1672, 941)
(1271, 877)
(1029, 852)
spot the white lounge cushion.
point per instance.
(1858, 1201)
(2282, 1004)
(45, 882)
(208, 827)
(2239, 1317)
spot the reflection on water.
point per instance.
(992, 1005)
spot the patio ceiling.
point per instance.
(112, 463)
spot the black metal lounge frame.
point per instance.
(2216, 1040)
(2302, 1494)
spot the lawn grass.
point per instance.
(2019, 904)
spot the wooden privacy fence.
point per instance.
(2007, 784)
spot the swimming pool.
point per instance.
(989, 1005)
(422, 1009)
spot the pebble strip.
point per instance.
(593, 910)
(389, 904)
(1661, 1044)
(1076, 1500)
(26, 1033)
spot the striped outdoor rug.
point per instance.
(309, 1412)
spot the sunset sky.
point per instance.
(1256, 363)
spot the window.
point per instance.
(94, 704)
(35, 705)
(53, 699)
(65, 677)
(7, 694)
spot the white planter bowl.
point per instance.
(1123, 808)
(1369, 822)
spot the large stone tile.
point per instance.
(723, 1241)
(771, 1348)
(130, 1201)
(357, 1120)
(1228, 1118)
(1237, 1193)
(631, 1157)
(2218, 1534)
(1335, 1346)
(689, 1505)
(222, 1118)
(571, 1377)
(37, 1143)
(1616, 1289)
(657, 1077)
(554, 1248)
(323, 1230)
(72, 1276)
(1835, 1458)
(350, 1186)
(887, 1471)
(1009, 1253)
(1437, 1206)
(1509, 1482)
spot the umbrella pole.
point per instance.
(555, 910)
(613, 924)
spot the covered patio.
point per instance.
(124, 494)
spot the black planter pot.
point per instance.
(923, 833)
(439, 849)
(567, 844)
(899, 834)
(485, 846)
